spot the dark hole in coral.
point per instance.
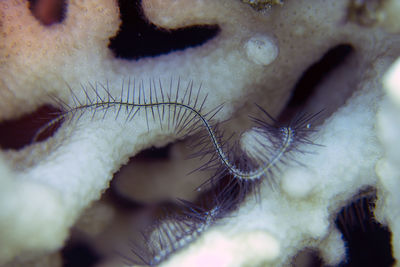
(308, 257)
(155, 153)
(147, 155)
(79, 254)
(137, 38)
(316, 73)
(48, 12)
(16, 134)
(120, 201)
(368, 242)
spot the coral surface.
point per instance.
(254, 57)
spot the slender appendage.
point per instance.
(264, 147)
(176, 231)
(172, 234)
(182, 112)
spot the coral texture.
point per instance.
(256, 56)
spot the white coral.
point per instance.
(254, 57)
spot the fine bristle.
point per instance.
(239, 167)
(187, 222)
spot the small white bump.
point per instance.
(256, 144)
(391, 81)
(261, 50)
(298, 183)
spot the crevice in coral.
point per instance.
(120, 201)
(48, 12)
(316, 73)
(78, 253)
(137, 38)
(308, 257)
(314, 76)
(367, 240)
(148, 155)
(15, 134)
(145, 161)
(155, 153)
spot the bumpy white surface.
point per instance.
(388, 168)
(43, 194)
(220, 249)
(302, 213)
